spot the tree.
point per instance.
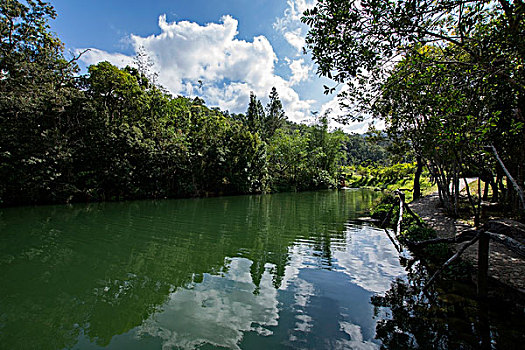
(275, 115)
(325, 152)
(287, 154)
(474, 46)
(36, 89)
(361, 39)
(255, 114)
(113, 134)
(446, 115)
(144, 64)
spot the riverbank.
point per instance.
(505, 267)
(386, 178)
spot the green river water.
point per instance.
(293, 270)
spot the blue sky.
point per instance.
(231, 46)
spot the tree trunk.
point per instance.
(443, 185)
(455, 182)
(479, 201)
(486, 191)
(472, 203)
(417, 177)
(515, 185)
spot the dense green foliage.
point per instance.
(113, 134)
(448, 78)
(366, 150)
(393, 177)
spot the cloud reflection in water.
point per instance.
(216, 311)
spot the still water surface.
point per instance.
(278, 271)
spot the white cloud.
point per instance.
(186, 54)
(294, 11)
(93, 56)
(334, 111)
(295, 38)
(290, 24)
(294, 31)
(369, 259)
(300, 71)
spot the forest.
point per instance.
(447, 77)
(114, 134)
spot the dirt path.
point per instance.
(504, 265)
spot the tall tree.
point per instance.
(36, 88)
(255, 114)
(145, 65)
(275, 115)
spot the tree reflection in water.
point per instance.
(447, 316)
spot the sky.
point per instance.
(219, 50)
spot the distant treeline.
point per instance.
(112, 134)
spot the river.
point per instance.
(290, 270)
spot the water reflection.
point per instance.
(368, 260)
(276, 271)
(216, 311)
(446, 317)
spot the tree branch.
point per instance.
(76, 58)
(450, 261)
(516, 186)
(514, 245)
(462, 237)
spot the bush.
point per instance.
(437, 253)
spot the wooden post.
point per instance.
(401, 206)
(417, 177)
(483, 265)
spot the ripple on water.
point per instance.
(277, 271)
